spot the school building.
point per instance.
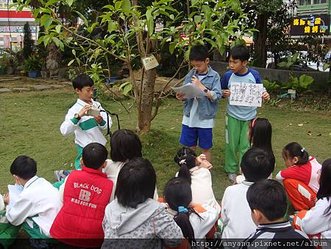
(11, 26)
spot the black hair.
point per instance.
(260, 135)
(240, 52)
(124, 145)
(81, 81)
(94, 155)
(135, 183)
(269, 197)
(294, 149)
(185, 158)
(177, 192)
(257, 164)
(324, 190)
(198, 53)
(24, 167)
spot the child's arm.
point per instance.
(20, 211)
(72, 119)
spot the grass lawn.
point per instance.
(30, 121)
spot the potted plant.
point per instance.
(32, 65)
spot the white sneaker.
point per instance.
(232, 177)
(240, 178)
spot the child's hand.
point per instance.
(203, 163)
(6, 198)
(84, 110)
(226, 93)
(180, 96)
(197, 82)
(265, 96)
(98, 118)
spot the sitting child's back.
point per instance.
(85, 197)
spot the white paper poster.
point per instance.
(190, 91)
(246, 94)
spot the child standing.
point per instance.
(238, 117)
(85, 195)
(196, 171)
(134, 214)
(256, 165)
(37, 204)
(268, 204)
(81, 118)
(300, 178)
(199, 113)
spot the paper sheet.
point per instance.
(246, 94)
(14, 192)
(190, 91)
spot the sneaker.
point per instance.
(61, 174)
(232, 177)
(240, 178)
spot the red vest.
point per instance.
(86, 195)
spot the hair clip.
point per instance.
(303, 149)
(183, 161)
(182, 209)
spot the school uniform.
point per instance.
(37, 205)
(87, 130)
(301, 183)
(277, 235)
(86, 194)
(236, 213)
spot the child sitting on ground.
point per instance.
(260, 136)
(134, 214)
(196, 171)
(256, 165)
(300, 178)
(194, 219)
(85, 194)
(38, 202)
(268, 205)
(124, 146)
(316, 222)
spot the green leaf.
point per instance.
(46, 20)
(70, 2)
(58, 28)
(70, 62)
(58, 43)
(326, 66)
(150, 21)
(51, 2)
(126, 6)
(172, 47)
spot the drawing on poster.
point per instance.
(246, 94)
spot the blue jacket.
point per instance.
(207, 108)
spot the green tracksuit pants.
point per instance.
(236, 143)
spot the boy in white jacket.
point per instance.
(86, 118)
(38, 203)
(256, 165)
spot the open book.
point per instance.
(190, 91)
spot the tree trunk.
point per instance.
(260, 56)
(146, 105)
